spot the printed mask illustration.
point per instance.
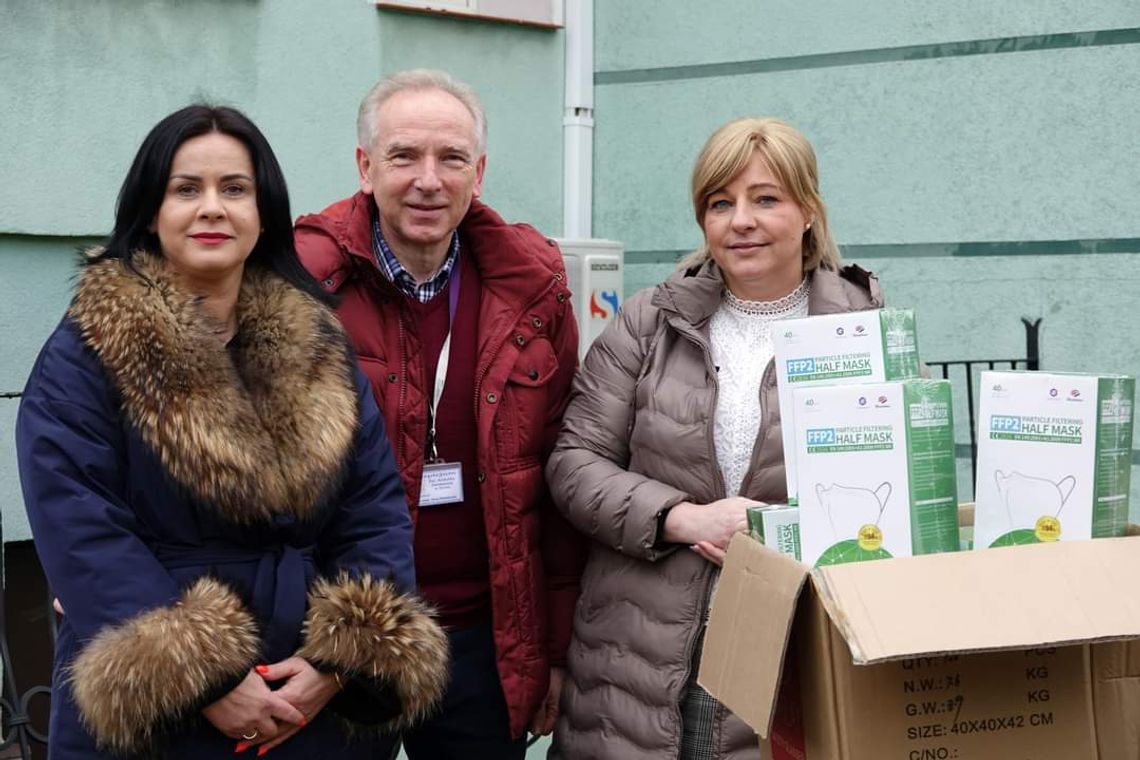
(1027, 498)
(849, 508)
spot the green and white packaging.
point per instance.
(839, 349)
(777, 527)
(1054, 457)
(876, 471)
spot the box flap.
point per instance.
(748, 630)
(1010, 598)
(966, 515)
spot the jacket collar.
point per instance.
(348, 223)
(510, 258)
(259, 430)
(851, 288)
(695, 294)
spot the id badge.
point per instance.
(442, 483)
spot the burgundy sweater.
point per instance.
(452, 560)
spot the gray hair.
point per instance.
(418, 79)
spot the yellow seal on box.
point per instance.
(1048, 528)
(870, 538)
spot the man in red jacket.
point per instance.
(463, 324)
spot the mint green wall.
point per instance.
(35, 278)
(979, 156)
(84, 80)
(933, 147)
(634, 34)
(518, 72)
(95, 75)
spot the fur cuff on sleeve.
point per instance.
(365, 629)
(137, 678)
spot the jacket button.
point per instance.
(492, 398)
(533, 374)
(561, 297)
(481, 476)
(520, 339)
(329, 281)
(392, 377)
(536, 322)
(550, 242)
(558, 277)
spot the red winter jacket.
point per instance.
(528, 342)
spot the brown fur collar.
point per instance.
(263, 433)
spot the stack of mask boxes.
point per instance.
(776, 526)
(1054, 457)
(868, 444)
(969, 655)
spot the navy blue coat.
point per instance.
(183, 510)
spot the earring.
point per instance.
(807, 226)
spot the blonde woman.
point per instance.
(673, 430)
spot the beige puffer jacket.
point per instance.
(638, 438)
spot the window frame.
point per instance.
(549, 13)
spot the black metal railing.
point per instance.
(1031, 361)
(19, 735)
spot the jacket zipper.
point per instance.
(720, 713)
(691, 643)
(748, 476)
(492, 354)
(402, 398)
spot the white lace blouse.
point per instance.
(741, 341)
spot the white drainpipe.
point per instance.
(578, 122)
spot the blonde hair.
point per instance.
(418, 80)
(791, 159)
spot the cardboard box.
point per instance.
(876, 470)
(1054, 457)
(839, 349)
(966, 655)
(777, 527)
(1116, 699)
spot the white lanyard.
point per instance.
(444, 359)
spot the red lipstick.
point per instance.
(211, 238)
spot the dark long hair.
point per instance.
(145, 186)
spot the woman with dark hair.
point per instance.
(209, 484)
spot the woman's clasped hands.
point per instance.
(707, 528)
(255, 714)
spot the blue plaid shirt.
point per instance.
(394, 270)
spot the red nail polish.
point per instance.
(263, 750)
(262, 669)
(303, 723)
(241, 747)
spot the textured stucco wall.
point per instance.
(929, 141)
(93, 77)
(35, 275)
(84, 80)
